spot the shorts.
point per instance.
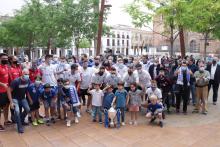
(84, 92)
(49, 104)
(35, 106)
(134, 108)
(4, 99)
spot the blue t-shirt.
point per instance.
(107, 100)
(48, 96)
(152, 108)
(35, 92)
(19, 87)
(121, 98)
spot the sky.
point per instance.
(117, 14)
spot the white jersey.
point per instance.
(120, 69)
(73, 77)
(48, 74)
(144, 78)
(86, 77)
(156, 92)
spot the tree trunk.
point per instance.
(48, 45)
(205, 44)
(182, 42)
(171, 40)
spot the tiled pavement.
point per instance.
(192, 130)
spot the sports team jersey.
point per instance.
(4, 77)
(14, 72)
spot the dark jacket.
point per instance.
(151, 70)
(217, 72)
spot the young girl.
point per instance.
(134, 102)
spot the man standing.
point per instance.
(214, 70)
(4, 91)
(18, 88)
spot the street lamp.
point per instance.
(101, 14)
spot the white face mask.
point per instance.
(139, 70)
(67, 86)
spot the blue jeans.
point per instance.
(120, 115)
(19, 117)
(193, 92)
(95, 110)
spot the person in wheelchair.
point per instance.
(155, 110)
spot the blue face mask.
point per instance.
(26, 77)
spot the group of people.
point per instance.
(63, 86)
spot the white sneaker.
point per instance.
(78, 114)
(123, 123)
(76, 120)
(131, 123)
(135, 123)
(68, 123)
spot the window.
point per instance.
(118, 42)
(113, 42)
(127, 42)
(108, 42)
(127, 36)
(123, 36)
(118, 35)
(123, 42)
(194, 47)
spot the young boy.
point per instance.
(70, 101)
(154, 110)
(120, 98)
(97, 97)
(49, 99)
(107, 102)
(33, 94)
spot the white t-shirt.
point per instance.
(48, 74)
(156, 92)
(144, 78)
(73, 77)
(121, 69)
(86, 77)
(96, 97)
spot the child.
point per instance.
(33, 94)
(49, 99)
(121, 99)
(70, 102)
(60, 97)
(97, 96)
(154, 110)
(107, 101)
(134, 101)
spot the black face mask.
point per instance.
(214, 62)
(130, 72)
(15, 62)
(101, 73)
(4, 62)
(96, 64)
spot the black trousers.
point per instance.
(182, 95)
(215, 86)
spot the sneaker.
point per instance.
(78, 114)
(53, 120)
(21, 131)
(68, 123)
(34, 123)
(40, 121)
(100, 122)
(76, 120)
(2, 129)
(131, 123)
(123, 123)
(161, 124)
(135, 123)
(48, 122)
(205, 113)
(195, 111)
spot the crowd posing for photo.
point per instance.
(63, 86)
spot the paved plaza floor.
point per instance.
(192, 130)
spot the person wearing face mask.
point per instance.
(202, 77)
(214, 71)
(154, 69)
(96, 64)
(34, 72)
(33, 95)
(120, 67)
(48, 71)
(143, 76)
(165, 85)
(18, 89)
(14, 69)
(130, 77)
(61, 68)
(154, 90)
(5, 100)
(26, 63)
(99, 77)
(183, 81)
(112, 79)
(55, 60)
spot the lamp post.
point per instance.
(101, 15)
